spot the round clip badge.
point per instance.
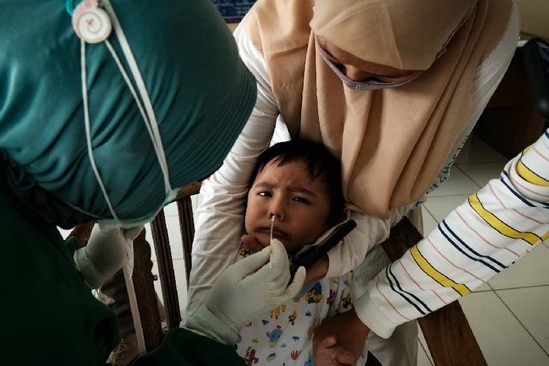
(91, 23)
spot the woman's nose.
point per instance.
(355, 73)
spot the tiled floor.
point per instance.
(509, 314)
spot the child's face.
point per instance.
(301, 206)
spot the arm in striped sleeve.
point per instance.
(483, 236)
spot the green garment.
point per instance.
(201, 94)
(182, 347)
(200, 91)
(49, 314)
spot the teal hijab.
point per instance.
(199, 89)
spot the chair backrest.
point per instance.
(163, 252)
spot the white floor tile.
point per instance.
(483, 288)
(530, 270)
(429, 222)
(457, 184)
(502, 339)
(476, 151)
(440, 207)
(483, 172)
(530, 306)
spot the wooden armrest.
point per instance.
(188, 190)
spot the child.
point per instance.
(298, 183)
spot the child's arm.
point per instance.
(220, 217)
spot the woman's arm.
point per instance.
(486, 234)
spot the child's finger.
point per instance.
(251, 243)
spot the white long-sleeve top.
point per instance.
(219, 219)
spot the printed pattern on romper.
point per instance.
(284, 335)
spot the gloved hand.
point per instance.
(105, 254)
(244, 291)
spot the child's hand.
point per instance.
(348, 330)
(328, 353)
(252, 243)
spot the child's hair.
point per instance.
(319, 162)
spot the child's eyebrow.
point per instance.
(264, 184)
(300, 189)
(294, 189)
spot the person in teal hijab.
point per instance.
(106, 109)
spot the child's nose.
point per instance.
(277, 209)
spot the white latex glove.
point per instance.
(244, 291)
(105, 254)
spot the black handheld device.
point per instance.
(308, 258)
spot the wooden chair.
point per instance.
(448, 335)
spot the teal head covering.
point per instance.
(200, 94)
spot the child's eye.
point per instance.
(301, 200)
(264, 194)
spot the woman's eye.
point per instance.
(264, 194)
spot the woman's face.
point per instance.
(360, 70)
(300, 205)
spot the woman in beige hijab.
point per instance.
(394, 89)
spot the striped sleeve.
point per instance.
(483, 236)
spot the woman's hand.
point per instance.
(346, 332)
(244, 291)
(316, 272)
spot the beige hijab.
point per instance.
(392, 142)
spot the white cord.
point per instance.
(83, 74)
(154, 131)
(146, 111)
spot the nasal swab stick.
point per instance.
(273, 218)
